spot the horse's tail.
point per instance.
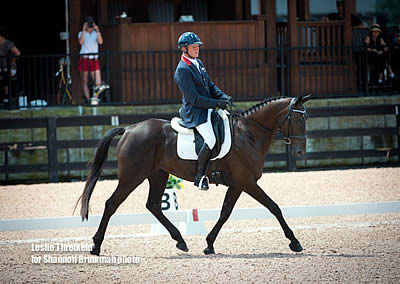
(96, 167)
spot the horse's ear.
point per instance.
(306, 97)
(302, 99)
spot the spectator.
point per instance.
(90, 38)
(377, 52)
(339, 16)
(7, 48)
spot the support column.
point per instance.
(347, 22)
(102, 12)
(353, 7)
(270, 42)
(293, 46)
(75, 28)
(238, 10)
(303, 10)
(348, 41)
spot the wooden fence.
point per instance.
(52, 144)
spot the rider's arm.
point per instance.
(216, 92)
(82, 34)
(184, 80)
(99, 37)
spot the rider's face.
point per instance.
(193, 50)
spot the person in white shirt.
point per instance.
(7, 47)
(89, 39)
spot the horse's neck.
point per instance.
(268, 114)
(267, 117)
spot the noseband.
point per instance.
(288, 139)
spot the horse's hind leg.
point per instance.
(157, 181)
(231, 196)
(258, 194)
(120, 194)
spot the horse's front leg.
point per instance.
(258, 194)
(231, 196)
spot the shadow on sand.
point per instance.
(262, 255)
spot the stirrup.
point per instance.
(203, 184)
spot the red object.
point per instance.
(86, 64)
(186, 60)
(195, 215)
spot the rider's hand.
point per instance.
(222, 104)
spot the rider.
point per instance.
(200, 97)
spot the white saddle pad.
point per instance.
(185, 144)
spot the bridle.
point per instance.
(287, 139)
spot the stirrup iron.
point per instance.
(204, 182)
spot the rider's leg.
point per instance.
(207, 133)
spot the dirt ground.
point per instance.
(351, 249)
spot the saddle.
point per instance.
(190, 141)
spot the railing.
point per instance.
(147, 77)
(322, 74)
(314, 37)
(53, 144)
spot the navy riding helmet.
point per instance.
(188, 38)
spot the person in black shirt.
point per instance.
(377, 51)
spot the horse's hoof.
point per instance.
(182, 246)
(209, 251)
(95, 251)
(295, 246)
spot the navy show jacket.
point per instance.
(199, 92)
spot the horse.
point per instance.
(147, 150)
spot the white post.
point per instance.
(169, 203)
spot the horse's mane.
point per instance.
(258, 106)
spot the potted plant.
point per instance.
(174, 181)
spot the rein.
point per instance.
(245, 118)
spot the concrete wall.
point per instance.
(84, 155)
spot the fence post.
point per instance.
(291, 161)
(283, 69)
(107, 71)
(396, 108)
(52, 149)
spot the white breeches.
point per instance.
(206, 131)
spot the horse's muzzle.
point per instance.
(299, 150)
(299, 153)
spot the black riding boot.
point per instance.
(202, 162)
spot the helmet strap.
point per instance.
(186, 52)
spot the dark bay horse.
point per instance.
(147, 150)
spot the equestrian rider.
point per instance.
(200, 97)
